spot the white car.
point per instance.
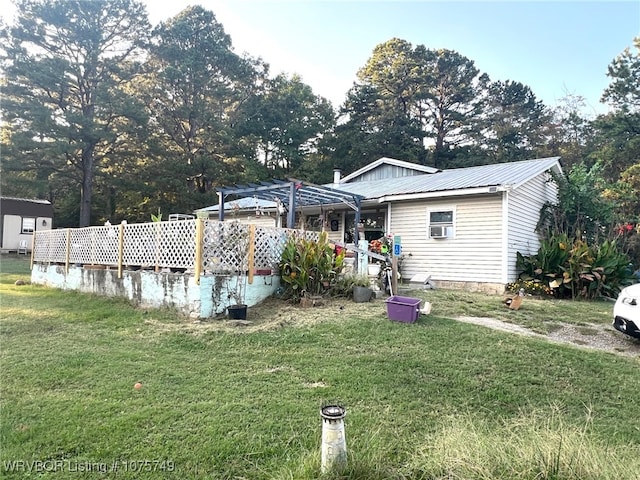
(626, 311)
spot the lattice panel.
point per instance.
(225, 247)
(94, 245)
(167, 244)
(268, 247)
(50, 246)
(270, 242)
(162, 244)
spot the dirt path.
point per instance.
(599, 337)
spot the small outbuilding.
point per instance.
(19, 219)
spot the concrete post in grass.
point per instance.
(334, 444)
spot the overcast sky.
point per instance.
(553, 47)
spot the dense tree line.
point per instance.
(111, 118)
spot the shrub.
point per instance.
(308, 266)
(344, 284)
(531, 287)
(571, 268)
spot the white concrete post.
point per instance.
(334, 443)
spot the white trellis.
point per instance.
(198, 245)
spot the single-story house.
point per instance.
(463, 226)
(19, 219)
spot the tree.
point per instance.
(570, 132)
(286, 121)
(514, 122)
(581, 211)
(623, 93)
(195, 88)
(67, 106)
(618, 132)
(453, 96)
(367, 130)
(440, 91)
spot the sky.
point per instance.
(554, 47)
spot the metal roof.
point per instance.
(511, 174)
(30, 200)
(442, 183)
(245, 203)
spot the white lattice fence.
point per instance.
(225, 245)
(94, 245)
(161, 244)
(270, 242)
(51, 247)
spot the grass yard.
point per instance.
(438, 399)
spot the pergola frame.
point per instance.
(293, 193)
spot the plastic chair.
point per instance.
(22, 248)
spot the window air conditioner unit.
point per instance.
(438, 232)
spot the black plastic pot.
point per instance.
(362, 294)
(237, 312)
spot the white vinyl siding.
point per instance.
(474, 255)
(524, 207)
(386, 171)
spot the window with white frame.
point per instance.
(441, 223)
(28, 224)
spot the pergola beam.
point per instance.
(293, 193)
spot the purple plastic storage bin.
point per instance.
(403, 309)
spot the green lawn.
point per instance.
(436, 399)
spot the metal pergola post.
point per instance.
(291, 214)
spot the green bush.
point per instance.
(308, 266)
(344, 284)
(531, 287)
(573, 269)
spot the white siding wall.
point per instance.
(524, 204)
(474, 255)
(386, 171)
(12, 231)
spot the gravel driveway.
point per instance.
(595, 336)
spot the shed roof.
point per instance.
(26, 200)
